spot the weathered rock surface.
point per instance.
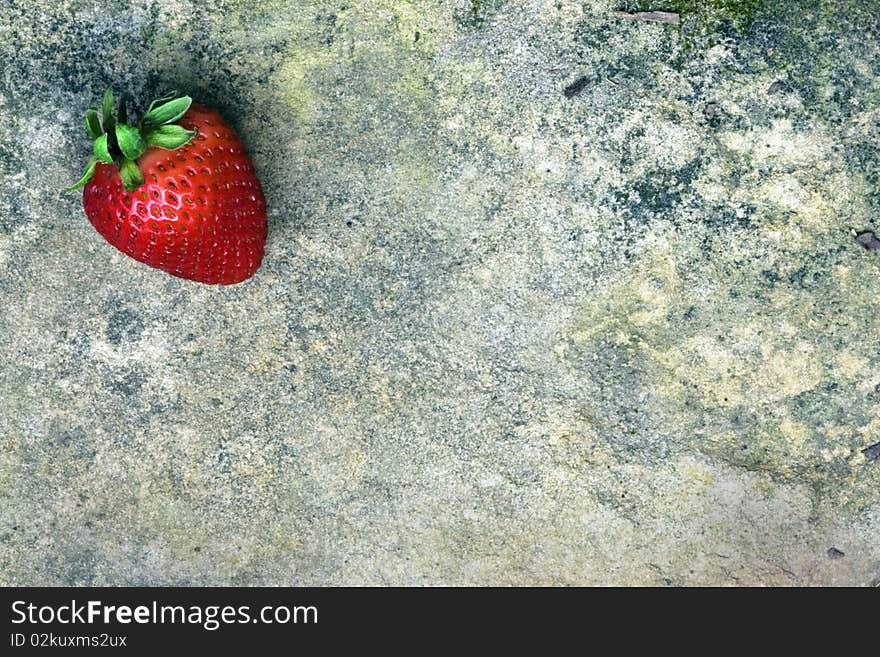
(503, 334)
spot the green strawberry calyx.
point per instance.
(120, 142)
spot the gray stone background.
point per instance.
(500, 336)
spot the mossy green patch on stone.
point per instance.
(475, 12)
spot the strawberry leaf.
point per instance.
(171, 95)
(102, 150)
(167, 112)
(132, 177)
(170, 136)
(93, 125)
(130, 141)
(87, 176)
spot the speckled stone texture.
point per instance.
(502, 334)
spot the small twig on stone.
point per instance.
(867, 239)
(872, 453)
(835, 554)
(576, 87)
(650, 16)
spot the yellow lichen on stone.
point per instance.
(796, 433)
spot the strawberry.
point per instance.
(175, 190)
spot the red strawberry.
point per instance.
(182, 197)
